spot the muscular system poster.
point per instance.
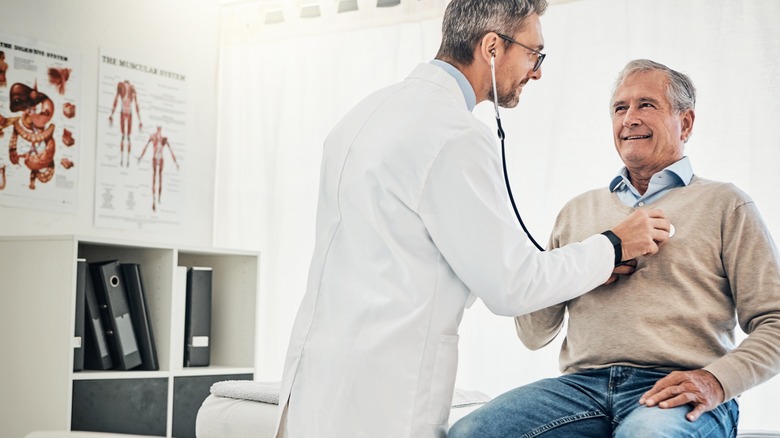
(40, 131)
(141, 144)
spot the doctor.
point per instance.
(412, 222)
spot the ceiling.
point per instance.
(310, 2)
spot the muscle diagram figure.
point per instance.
(32, 126)
(125, 91)
(158, 143)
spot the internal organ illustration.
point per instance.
(67, 138)
(3, 69)
(69, 110)
(32, 126)
(58, 77)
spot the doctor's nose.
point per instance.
(536, 75)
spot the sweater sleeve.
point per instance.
(539, 328)
(752, 265)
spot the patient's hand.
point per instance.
(625, 268)
(698, 388)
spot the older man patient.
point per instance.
(653, 353)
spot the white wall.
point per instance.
(180, 34)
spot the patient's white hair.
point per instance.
(679, 89)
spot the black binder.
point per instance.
(139, 309)
(96, 354)
(112, 297)
(81, 318)
(197, 324)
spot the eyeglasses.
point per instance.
(539, 55)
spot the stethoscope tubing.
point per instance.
(501, 136)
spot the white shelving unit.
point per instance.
(38, 284)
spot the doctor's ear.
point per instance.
(488, 46)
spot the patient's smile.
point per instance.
(637, 137)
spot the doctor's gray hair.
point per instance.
(679, 89)
(467, 21)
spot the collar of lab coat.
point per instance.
(462, 80)
(436, 74)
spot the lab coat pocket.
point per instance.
(443, 383)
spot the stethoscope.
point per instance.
(503, 154)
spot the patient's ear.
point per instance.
(687, 118)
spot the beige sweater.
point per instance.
(677, 311)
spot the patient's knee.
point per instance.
(464, 428)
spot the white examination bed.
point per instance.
(247, 409)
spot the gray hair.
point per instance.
(679, 89)
(467, 21)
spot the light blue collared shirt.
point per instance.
(463, 83)
(677, 174)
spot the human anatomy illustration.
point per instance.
(35, 128)
(125, 91)
(40, 134)
(158, 143)
(130, 90)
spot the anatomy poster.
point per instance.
(40, 134)
(141, 144)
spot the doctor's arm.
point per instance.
(465, 210)
(642, 233)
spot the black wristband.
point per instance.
(616, 244)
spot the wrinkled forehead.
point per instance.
(642, 85)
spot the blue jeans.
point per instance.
(595, 403)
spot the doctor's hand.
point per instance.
(698, 388)
(643, 232)
(626, 268)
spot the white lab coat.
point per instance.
(413, 218)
